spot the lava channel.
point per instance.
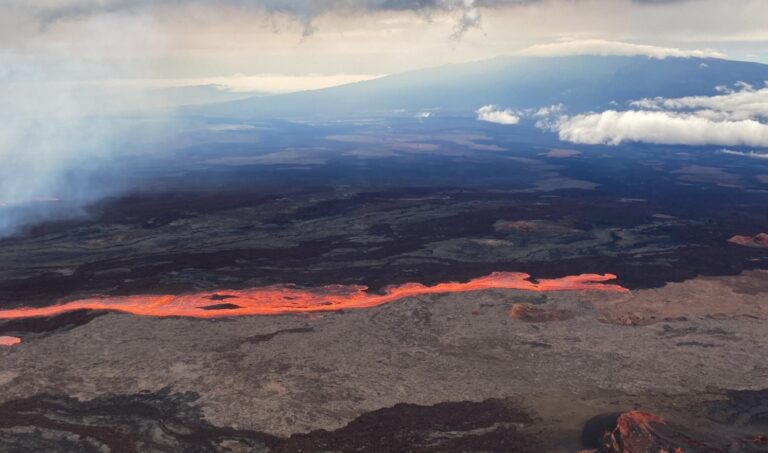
(283, 299)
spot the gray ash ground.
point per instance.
(163, 421)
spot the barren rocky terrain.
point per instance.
(287, 375)
(374, 294)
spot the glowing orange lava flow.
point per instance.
(9, 341)
(280, 299)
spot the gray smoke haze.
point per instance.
(58, 136)
(62, 129)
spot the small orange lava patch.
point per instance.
(281, 299)
(632, 419)
(9, 341)
(761, 240)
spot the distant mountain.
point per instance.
(582, 83)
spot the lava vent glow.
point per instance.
(280, 299)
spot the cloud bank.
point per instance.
(491, 114)
(668, 128)
(617, 48)
(261, 83)
(220, 38)
(744, 102)
(468, 11)
(736, 118)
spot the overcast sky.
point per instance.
(237, 42)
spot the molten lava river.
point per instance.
(281, 299)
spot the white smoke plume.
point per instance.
(59, 133)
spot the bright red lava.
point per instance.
(281, 299)
(9, 341)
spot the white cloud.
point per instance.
(490, 113)
(231, 127)
(277, 83)
(745, 102)
(242, 83)
(736, 117)
(604, 48)
(670, 128)
(548, 118)
(750, 154)
(555, 109)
